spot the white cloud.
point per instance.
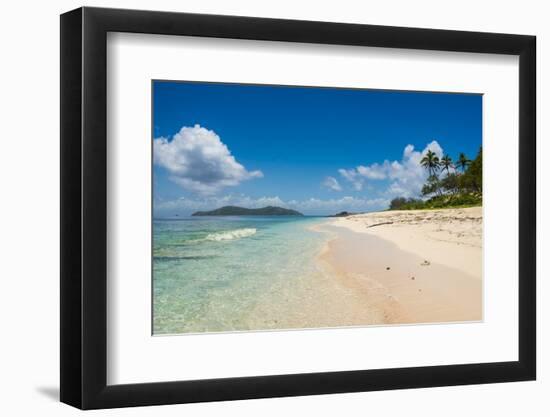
(199, 161)
(347, 203)
(372, 172)
(332, 184)
(211, 202)
(405, 177)
(353, 177)
(184, 206)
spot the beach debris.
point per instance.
(388, 268)
(425, 263)
(420, 290)
(379, 224)
(413, 278)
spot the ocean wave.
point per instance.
(231, 234)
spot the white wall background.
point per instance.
(29, 225)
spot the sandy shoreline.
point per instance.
(416, 266)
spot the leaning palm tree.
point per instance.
(463, 161)
(446, 163)
(430, 161)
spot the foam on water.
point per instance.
(232, 234)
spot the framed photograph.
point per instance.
(258, 208)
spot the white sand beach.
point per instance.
(416, 266)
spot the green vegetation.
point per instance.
(431, 163)
(241, 211)
(448, 185)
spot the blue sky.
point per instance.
(318, 150)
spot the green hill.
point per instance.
(241, 211)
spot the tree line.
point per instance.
(449, 184)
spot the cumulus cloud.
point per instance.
(332, 184)
(405, 177)
(199, 161)
(372, 172)
(353, 177)
(309, 206)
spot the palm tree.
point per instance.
(430, 161)
(463, 161)
(446, 163)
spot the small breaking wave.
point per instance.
(231, 234)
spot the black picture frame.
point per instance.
(84, 207)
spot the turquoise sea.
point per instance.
(213, 274)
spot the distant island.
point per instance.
(242, 211)
(342, 214)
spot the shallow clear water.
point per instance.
(231, 273)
